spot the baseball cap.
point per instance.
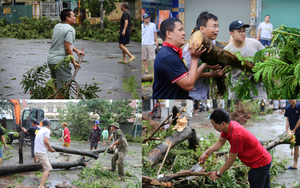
(46, 122)
(145, 16)
(97, 122)
(237, 24)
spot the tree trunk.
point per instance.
(159, 151)
(216, 55)
(4, 170)
(166, 181)
(93, 154)
(21, 147)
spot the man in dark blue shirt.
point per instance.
(292, 113)
(32, 131)
(172, 79)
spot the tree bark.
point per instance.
(4, 170)
(166, 181)
(159, 151)
(93, 154)
(21, 147)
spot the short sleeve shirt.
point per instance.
(67, 132)
(119, 136)
(148, 33)
(265, 34)
(293, 115)
(62, 32)
(249, 149)
(126, 16)
(39, 145)
(33, 131)
(168, 69)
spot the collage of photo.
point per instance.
(149, 93)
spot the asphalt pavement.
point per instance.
(100, 65)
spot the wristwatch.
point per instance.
(218, 173)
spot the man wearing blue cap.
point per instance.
(95, 135)
(247, 47)
(149, 37)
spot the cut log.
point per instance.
(216, 55)
(21, 147)
(159, 151)
(93, 154)
(166, 181)
(147, 78)
(4, 170)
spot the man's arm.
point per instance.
(287, 124)
(226, 166)
(46, 141)
(258, 34)
(216, 72)
(220, 143)
(70, 52)
(187, 82)
(78, 52)
(125, 26)
(114, 144)
(3, 140)
(155, 38)
(297, 126)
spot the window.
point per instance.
(50, 109)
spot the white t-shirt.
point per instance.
(275, 103)
(265, 34)
(251, 47)
(39, 145)
(201, 88)
(148, 33)
(282, 103)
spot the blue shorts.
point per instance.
(124, 39)
(265, 42)
(1, 152)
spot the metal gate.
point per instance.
(51, 9)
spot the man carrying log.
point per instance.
(208, 24)
(247, 47)
(41, 145)
(292, 113)
(63, 39)
(32, 131)
(244, 145)
(120, 151)
(95, 136)
(172, 78)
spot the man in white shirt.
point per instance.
(263, 35)
(247, 47)
(149, 37)
(208, 24)
(41, 145)
(275, 106)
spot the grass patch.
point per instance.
(146, 83)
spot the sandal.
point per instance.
(123, 62)
(129, 61)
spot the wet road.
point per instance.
(133, 163)
(100, 63)
(267, 127)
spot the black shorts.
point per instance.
(297, 140)
(124, 39)
(260, 177)
(94, 145)
(262, 109)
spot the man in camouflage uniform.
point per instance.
(120, 151)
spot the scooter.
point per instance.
(155, 113)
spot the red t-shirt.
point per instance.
(66, 132)
(249, 149)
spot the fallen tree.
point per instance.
(159, 151)
(5, 170)
(93, 154)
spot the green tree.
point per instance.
(78, 119)
(6, 106)
(94, 6)
(110, 110)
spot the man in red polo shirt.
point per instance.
(244, 145)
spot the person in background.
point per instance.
(66, 136)
(3, 143)
(104, 135)
(275, 106)
(264, 34)
(196, 107)
(292, 113)
(95, 135)
(282, 105)
(262, 107)
(32, 131)
(149, 37)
